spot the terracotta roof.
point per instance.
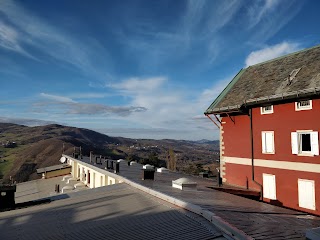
(270, 81)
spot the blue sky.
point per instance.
(140, 69)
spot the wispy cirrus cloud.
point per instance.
(271, 52)
(267, 17)
(135, 85)
(259, 9)
(57, 98)
(196, 27)
(24, 31)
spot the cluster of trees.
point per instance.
(171, 163)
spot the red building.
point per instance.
(269, 119)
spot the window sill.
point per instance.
(302, 109)
(268, 153)
(306, 154)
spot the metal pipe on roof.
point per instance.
(252, 155)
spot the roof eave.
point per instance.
(277, 98)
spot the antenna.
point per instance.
(62, 148)
(63, 159)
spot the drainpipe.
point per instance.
(252, 155)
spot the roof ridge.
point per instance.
(283, 56)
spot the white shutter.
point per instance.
(266, 188)
(294, 143)
(273, 187)
(269, 186)
(263, 137)
(306, 194)
(269, 142)
(314, 143)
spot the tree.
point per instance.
(171, 160)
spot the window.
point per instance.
(305, 143)
(267, 109)
(303, 105)
(306, 193)
(269, 186)
(267, 142)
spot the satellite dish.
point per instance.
(63, 159)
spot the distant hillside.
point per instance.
(37, 147)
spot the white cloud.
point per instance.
(170, 108)
(271, 52)
(210, 94)
(139, 85)
(57, 98)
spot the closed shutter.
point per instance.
(263, 137)
(306, 194)
(269, 186)
(269, 142)
(294, 143)
(314, 143)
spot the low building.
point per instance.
(54, 171)
(268, 117)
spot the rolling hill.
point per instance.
(41, 146)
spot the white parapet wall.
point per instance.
(90, 175)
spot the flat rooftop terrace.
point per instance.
(256, 219)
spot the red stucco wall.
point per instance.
(283, 121)
(286, 183)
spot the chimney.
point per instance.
(111, 165)
(81, 157)
(91, 155)
(117, 169)
(107, 164)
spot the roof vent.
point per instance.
(184, 184)
(148, 166)
(292, 75)
(162, 170)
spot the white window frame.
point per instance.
(264, 111)
(296, 143)
(301, 108)
(311, 204)
(266, 191)
(264, 142)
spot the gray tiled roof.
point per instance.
(267, 82)
(113, 212)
